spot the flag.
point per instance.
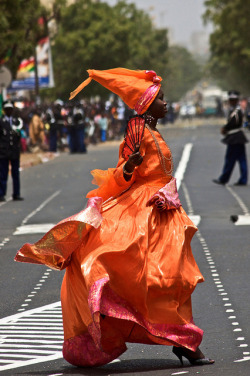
(6, 58)
(26, 68)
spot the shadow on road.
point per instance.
(116, 368)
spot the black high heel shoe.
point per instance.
(180, 352)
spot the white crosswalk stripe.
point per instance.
(31, 337)
(40, 228)
(241, 220)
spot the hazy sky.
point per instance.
(183, 17)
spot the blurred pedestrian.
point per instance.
(37, 133)
(71, 131)
(103, 125)
(52, 128)
(245, 108)
(79, 121)
(10, 149)
(235, 140)
(58, 126)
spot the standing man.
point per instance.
(10, 148)
(235, 140)
(79, 122)
(103, 125)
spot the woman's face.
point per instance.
(158, 108)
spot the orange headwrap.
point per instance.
(137, 88)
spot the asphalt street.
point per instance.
(30, 317)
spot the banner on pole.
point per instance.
(25, 79)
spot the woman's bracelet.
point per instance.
(126, 172)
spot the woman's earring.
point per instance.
(149, 119)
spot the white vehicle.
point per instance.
(187, 110)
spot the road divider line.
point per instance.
(220, 288)
(3, 242)
(40, 207)
(5, 202)
(225, 300)
(179, 175)
(240, 220)
(239, 200)
(180, 171)
(38, 286)
(194, 218)
(188, 200)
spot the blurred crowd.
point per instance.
(71, 126)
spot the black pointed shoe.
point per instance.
(181, 352)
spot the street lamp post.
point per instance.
(37, 94)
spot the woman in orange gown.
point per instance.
(130, 271)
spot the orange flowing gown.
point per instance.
(129, 278)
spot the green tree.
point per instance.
(183, 72)
(229, 42)
(19, 30)
(97, 36)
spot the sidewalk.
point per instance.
(33, 159)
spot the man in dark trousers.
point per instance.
(235, 140)
(10, 148)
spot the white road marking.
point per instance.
(115, 361)
(5, 241)
(40, 207)
(38, 286)
(240, 220)
(18, 364)
(5, 202)
(180, 171)
(243, 220)
(25, 345)
(41, 228)
(239, 200)
(179, 175)
(219, 285)
(244, 359)
(188, 201)
(195, 219)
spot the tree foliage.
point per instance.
(98, 36)
(93, 35)
(230, 48)
(19, 30)
(183, 72)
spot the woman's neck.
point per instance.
(151, 121)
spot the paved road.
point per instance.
(30, 315)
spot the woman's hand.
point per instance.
(135, 159)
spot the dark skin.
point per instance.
(8, 111)
(158, 110)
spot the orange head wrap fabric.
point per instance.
(137, 88)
